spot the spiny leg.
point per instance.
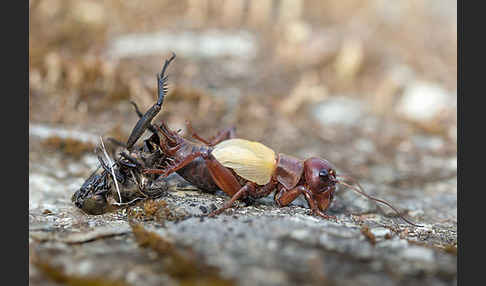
(140, 116)
(145, 121)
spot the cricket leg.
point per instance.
(140, 116)
(145, 121)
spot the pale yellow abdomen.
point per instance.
(251, 160)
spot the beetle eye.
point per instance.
(323, 173)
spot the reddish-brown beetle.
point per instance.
(243, 168)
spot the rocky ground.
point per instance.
(355, 84)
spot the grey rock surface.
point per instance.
(255, 243)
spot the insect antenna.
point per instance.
(359, 189)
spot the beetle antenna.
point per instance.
(359, 189)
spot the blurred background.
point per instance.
(370, 86)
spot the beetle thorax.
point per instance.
(289, 170)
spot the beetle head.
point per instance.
(320, 177)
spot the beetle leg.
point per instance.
(224, 134)
(169, 135)
(194, 134)
(222, 176)
(263, 191)
(145, 121)
(172, 168)
(285, 197)
(241, 193)
(314, 208)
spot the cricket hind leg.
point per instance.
(145, 121)
(140, 116)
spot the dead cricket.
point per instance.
(240, 168)
(122, 182)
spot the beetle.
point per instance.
(243, 168)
